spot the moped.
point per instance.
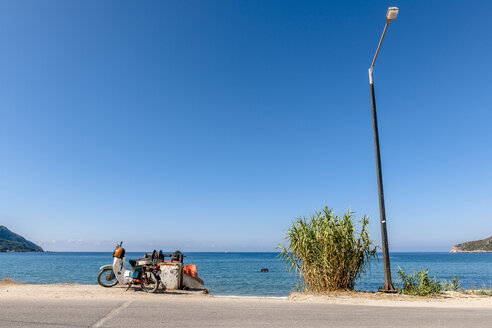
(144, 272)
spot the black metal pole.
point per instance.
(388, 286)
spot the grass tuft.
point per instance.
(9, 281)
(420, 284)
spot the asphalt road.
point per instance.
(229, 313)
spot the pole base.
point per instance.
(388, 289)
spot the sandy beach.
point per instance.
(74, 305)
(16, 291)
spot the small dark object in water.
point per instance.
(264, 270)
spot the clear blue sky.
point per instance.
(210, 125)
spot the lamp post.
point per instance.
(388, 286)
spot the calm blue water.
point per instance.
(239, 273)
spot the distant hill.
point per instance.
(12, 242)
(477, 246)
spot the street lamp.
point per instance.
(388, 286)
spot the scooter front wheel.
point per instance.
(107, 278)
(151, 283)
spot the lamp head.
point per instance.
(391, 14)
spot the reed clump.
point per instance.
(328, 252)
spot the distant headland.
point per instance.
(12, 242)
(477, 246)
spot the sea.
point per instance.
(239, 274)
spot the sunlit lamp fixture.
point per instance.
(391, 14)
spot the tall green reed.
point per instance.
(327, 252)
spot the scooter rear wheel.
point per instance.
(151, 283)
(107, 278)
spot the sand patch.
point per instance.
(446, 299)
(60, 292)
(78, 291)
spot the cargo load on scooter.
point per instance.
(150, 272)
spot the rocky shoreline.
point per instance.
(477, 246)
(455, 250)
